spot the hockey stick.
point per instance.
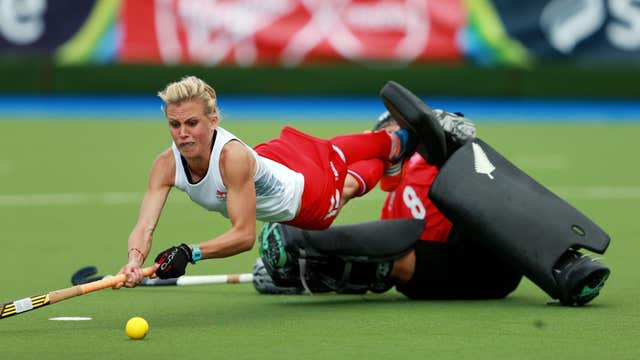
(88, 273)
(35, 302)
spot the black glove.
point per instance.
(173, 261)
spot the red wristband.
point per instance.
(139, 252)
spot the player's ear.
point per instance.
(214, 118)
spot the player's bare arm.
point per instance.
(141, 237)
(237, 167)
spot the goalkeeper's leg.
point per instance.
(456, 270)
(263, 283)
(522, 221)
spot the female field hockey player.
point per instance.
(295, 179)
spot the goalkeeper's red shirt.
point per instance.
(411, 200)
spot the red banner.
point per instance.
(289, 32)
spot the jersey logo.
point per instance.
(221, 194)
(481, 161)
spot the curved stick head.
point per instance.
(85, 275)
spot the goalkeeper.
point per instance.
(432, 257)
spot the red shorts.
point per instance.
(411, 200)
(323, 169)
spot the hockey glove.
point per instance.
(173, 261)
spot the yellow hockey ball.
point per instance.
(137, 328)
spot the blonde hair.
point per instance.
(189, 88)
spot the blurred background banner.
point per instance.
(66, 30)
(289, 32)
(239, 32)
(545, 48)
(585, 30)
(298, 32)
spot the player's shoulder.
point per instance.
(164, 167)
(236, 158)
(417, 164)
(234, 150)
(418, 171)
(165, 158)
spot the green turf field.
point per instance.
(69, 197)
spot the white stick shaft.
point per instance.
(213, 279)
(199, 280)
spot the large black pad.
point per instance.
(376, 240)
(322, 260)
(511, 213)
(411, 112)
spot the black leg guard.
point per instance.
(264, 284)
(514, 215)
(346, 259)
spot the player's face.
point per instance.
(190, 128)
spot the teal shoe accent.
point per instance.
(271, 245)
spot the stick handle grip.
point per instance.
(64, 294)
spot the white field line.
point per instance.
(541, 162)
(598, 192)
(70, 318)
(31, 200)
(565, 192)
(127, 198)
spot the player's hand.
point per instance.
(173, 261)
(133, 273)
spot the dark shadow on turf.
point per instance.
(353, 300)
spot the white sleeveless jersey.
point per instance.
(278, 188)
